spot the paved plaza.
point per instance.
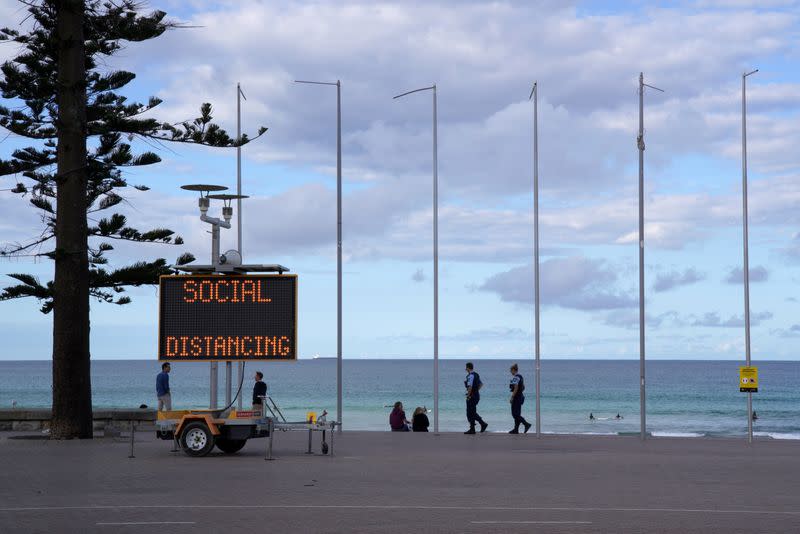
(398, 482)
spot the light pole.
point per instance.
(746, 257)
(239, 96)
(435, 257)
(640, 144)
(338, 85)
(535, 96)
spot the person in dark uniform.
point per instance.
(473, 384)
(259, 390)
(517, 386)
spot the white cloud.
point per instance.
(576, 282)
(759, 273)
(672, 279)
(713, 319)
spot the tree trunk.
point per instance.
(72, 391)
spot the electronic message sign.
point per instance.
(218, 317)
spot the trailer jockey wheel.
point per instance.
(324, 447)
(197, 439)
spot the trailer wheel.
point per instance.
(197, 439)
(230, 446)
(164, 434)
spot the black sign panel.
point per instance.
(217, 317)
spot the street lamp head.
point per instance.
(746, 74)
(533, 90)
(337, 83)
(431, 88)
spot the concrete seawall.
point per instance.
(109, 421)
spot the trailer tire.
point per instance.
(197, 439)
(230, 446)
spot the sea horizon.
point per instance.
(691, 398)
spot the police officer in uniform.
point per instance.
(517, 386)
(473, 385)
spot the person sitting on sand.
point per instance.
(420, 421)
(397, 419)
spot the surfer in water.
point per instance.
(591, 416)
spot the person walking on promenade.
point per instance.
(259, 391)
(473, 384)
(420, 423)
(517, 386)
(162, 388)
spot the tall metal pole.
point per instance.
(746, 257)
(535, 96)
(239, 366)
(435, 267)
(339, 253)
(213, 374)
(435, 255)
(239, 168)
(640, 143)
(338, 85)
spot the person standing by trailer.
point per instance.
(259, 391)
(473, 385)
(162, 388)
(517, 386)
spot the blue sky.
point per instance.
(483, 57)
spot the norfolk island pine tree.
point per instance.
(62, 98)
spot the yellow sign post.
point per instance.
(748, 379)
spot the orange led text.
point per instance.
(224, 291)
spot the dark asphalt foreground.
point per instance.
(391, 482)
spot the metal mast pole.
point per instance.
(640, 144)
(435, 255)
(339, 253)
(435, 268)
(213, 375)
(239, 367)
(338, 85)
(239, 167)
(535, 96)
(642, 413)
(746, 269)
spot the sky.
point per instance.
(483, 57)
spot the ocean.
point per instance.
(684, 398)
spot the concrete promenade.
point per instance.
(392, 482)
